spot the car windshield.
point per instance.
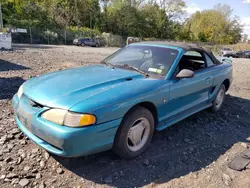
(149, 59)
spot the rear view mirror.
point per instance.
(185, 73)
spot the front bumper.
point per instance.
(62, 140)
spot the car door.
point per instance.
(90, 42)
(189, 95)
(87, 42)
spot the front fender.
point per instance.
(115, 103)
(116, 111)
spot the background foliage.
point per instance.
(162, 19)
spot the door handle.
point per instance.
(208, 80)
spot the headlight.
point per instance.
(79, 120)
(55, 115)
(20, 91)
(63, 117)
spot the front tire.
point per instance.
(219, 99)
(82, 44)
(134, 134)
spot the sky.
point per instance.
(241, 8)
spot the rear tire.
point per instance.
(134, 134)
(219, 99)
(82, 44)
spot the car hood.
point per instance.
(55, 89)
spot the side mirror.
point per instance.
(185, 73)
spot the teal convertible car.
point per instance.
(119, 103)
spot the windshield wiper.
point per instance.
(108, 64)
(127, 66)
(105, 63)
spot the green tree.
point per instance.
(174, 8)
(158, 19)
(89, 12)
(156, 22)
(215, 25)
(123, 19)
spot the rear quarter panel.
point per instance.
(221, 73)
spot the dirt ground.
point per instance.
(193, 153)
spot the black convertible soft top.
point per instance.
(186, 47)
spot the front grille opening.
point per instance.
(35, 104)
(129, 79)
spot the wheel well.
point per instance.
(151, 107)
(227, 84)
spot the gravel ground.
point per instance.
(193, 153)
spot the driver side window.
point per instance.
(192, 60)
(209, 61)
